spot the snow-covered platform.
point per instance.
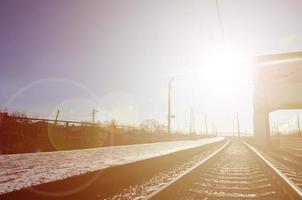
(24, 170)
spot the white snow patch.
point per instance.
(25, 170)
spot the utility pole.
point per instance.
(213, 129)
(275, 129)
(94, 111)
(169, 106)
(299, 129)
(233, 127)
(57, 115)
(220, 20)
(190, 126)
(201, 127)
(192, 122)
(238, 125)
(206, 124)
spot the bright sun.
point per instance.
(227, 69)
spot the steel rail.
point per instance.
(155, 194)
(297, 192)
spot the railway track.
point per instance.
(235, 171)
(288, 164)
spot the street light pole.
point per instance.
(213, 129)
(238, 126)
(57, 115)
(233, 127)
(169, 105)
(220, 20)
(298, 122)
(206, 124)
(192, 122)
(94, 111)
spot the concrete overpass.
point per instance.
(278, 85)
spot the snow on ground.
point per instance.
(24, 170)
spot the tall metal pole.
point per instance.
(233, 127)
(299, 129)
(169, 105)
(238, 125)
(93, 115)
(57, 115)
(201, 126)
(272, 130)
(192, 122)
(213, 129)
(220, 20)
(277, 129)
(206, 124)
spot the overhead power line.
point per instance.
(220, 20)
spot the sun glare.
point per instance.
(227, 69)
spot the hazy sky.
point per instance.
(118, 56)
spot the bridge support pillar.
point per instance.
(261, 122)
